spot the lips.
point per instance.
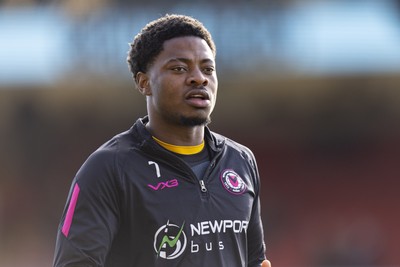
(201, 94)
(198, 98)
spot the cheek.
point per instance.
(164, 95)
(214, 83)
(215, 89)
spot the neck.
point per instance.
(177, 135)
(183, 150)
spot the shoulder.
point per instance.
(112, 153)
(234, 146)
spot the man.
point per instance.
(167, 192)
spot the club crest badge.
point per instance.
(232, 182)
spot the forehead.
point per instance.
(190, 47)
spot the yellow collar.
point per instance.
(183, 150)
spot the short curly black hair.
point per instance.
(148, 43)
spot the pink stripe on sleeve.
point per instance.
(71, 210)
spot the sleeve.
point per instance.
(90, 218)
(255, 234)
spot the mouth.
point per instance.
(199, 94)
(198, 98)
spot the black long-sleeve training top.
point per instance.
(134, 203)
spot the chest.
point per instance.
(161, 190)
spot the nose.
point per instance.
(197, 77)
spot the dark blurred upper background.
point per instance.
(312, 87)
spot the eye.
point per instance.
(179, 69)
(209, 70)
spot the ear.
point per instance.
(143, 84)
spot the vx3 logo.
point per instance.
(162, 185)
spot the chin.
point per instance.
(195, 121)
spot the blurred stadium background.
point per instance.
(313, 87)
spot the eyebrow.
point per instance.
(187, 60)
